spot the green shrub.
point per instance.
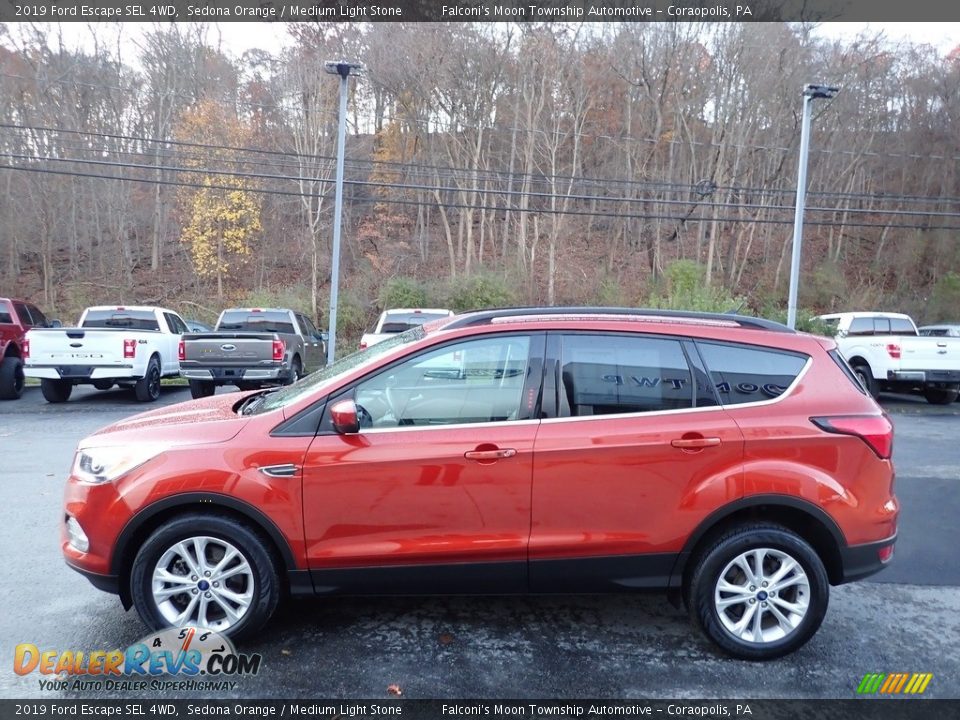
(403, 292)
(944, 304)
(481, 290)
(686, 289)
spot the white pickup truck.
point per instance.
(130, 346)
(887, 353)
(398, 320)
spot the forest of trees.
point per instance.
(486, 163)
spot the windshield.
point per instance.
(309, 385)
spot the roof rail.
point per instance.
(483, 317)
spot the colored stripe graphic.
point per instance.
(894, 683)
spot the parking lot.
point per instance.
(906, 619)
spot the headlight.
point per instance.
(100, 465)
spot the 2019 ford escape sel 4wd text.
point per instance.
(734, 463)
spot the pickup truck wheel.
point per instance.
(296, 372)
(56, 391)
(147, 388)
(200, 389)
(206, 571)
(11, 378)
(759, 592)
(940, 397)
(865, 376)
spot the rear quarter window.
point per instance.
(747, 374)
(6, 317)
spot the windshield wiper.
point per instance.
(251, 403)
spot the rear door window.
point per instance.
(616, 374)
(747, 374)
(6, 317)
(257, 321)
(119, 318)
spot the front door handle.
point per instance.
(490, 455)
(697, 443)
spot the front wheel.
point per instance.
(147, 388)
(935, 396)
(760, 592)
(11, 378)
(205, 571)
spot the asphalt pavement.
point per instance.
(906, 619)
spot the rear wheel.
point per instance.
(759, 592)
(865, 376)
(147, 388)
(200, 389)
(206, 571)
(56, 391)
(940, 397)
(11, 378)
(296, 371)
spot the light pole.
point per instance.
(810, 93)
(344, 69)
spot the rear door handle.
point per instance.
(695, 443)
(490, 455)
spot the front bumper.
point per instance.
(860, 561)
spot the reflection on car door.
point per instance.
(433, 493)
(637, 455)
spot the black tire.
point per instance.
(296, 371)
(710, 565)
(56, 391)
(147, 388)
(103, 384)
(253, 548)
(11, 378)
(200, 389)
(246, 386)
(865, 376)
(940, 397)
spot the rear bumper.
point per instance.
(227, 375)
(924, 376)
(81, 373)
(860, 561)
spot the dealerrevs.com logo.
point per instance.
(174, 659)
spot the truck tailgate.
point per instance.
(228, 348)
(78, 346)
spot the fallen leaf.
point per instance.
(394, 689)
(446, 639)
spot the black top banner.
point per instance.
(478, 10)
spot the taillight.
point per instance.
(893, 350)
(885, 554)
(129, 348)
(181, 351)
(875, 430)
(26, 348)
(278, 349)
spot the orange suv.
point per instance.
(728, 460)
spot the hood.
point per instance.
(196, 422)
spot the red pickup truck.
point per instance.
(16, 317)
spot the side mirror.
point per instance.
(344, 417)
(55, 324)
